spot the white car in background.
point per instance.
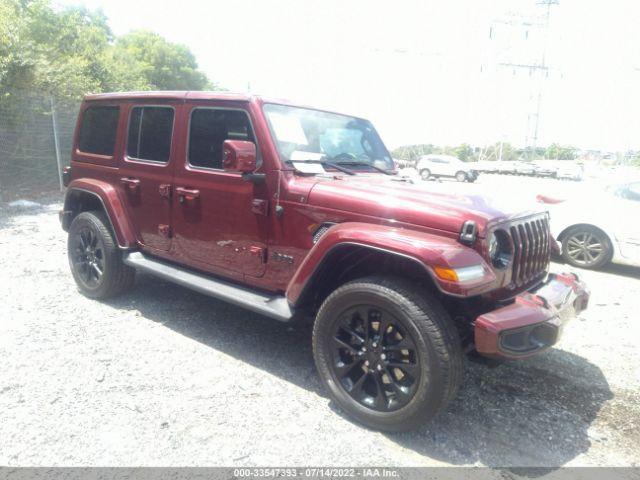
(505, 167)
(599, 226)
(569, 171)
(524, 168)
(445, 166)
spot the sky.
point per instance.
(422, 71)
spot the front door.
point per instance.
(219, 219)
(146, 172)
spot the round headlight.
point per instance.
(499, 249)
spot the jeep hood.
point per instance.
(443, 206)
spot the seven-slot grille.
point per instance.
(531, 252)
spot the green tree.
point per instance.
(559, 152)
(504, 151)
(464, 152)
(165, 65)
(413, 152)
(70, 52)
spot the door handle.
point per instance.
(131, 183)
(187, 194)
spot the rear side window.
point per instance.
(208, 130)
(150, 130)
(98, 130)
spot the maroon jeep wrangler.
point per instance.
(294, 212)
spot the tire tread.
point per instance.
(431, 319)
(118, 276)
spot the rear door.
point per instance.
(146, 172)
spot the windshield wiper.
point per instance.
(327, 163)
(365, 164)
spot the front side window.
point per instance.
(150, 130)
(304, 134)
(98, 130)
(208, 130)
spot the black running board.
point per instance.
(274, 306)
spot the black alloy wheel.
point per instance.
(94, 257)
(88, 256)
(374, 358)
(387, 351)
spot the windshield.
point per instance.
(303, 134)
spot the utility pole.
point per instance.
(536, 68)
(56, 142)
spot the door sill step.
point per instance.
(275, 306)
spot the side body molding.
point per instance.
(428, 250)
(108, 197)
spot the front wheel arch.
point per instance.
(349, 261)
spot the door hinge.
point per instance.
(164, 230)
(165, 190)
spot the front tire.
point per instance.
(425, 174)
(585, 246)
(388, 352)
(461, 176)
(95, 261)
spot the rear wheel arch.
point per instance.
(78, 200)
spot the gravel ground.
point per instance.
(166, 377)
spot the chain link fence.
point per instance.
(36, 135)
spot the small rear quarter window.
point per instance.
(98, 130)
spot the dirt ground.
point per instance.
(166, 377)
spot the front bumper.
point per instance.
(534, 321)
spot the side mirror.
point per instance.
(239, 156)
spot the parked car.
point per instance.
(544, 169)
(293, 213)
(597, 227)
(523, 168)
(484, 166)
(569, 171)
(505, 167)
(446, 166)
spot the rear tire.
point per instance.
(425, 174)
(94, 258)
(410, 368)
(461, 176)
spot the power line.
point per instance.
(537, 68)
